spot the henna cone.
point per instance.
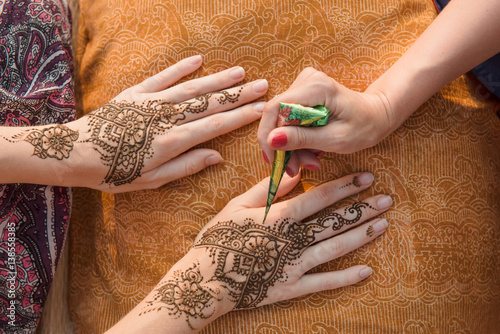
(292, 114)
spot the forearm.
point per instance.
(185, 301)
(48, 154)
(461, 37)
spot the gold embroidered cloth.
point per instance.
(436, 268)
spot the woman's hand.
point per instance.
(142, 138)
(357, 121)
(237, 262)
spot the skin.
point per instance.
(461, 37)
(271, 259)
(140, 138)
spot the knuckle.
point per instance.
(330, 284)
(190, 88)
(300, 138)
(192, 166)
(216, 122)
(323, 195)
(308, 71)
(336, 247)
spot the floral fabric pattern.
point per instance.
(36, 88)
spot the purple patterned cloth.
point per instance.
(36, 87)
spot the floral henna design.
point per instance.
(123, 132)
(52, 142)
(250, 258)
(184, 295)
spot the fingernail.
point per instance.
(213, 159)
(384, 202)
(364, 273)
(260, 86)
(290, 172)
(366, 178)
(237, 73)
(380, 225)
(195, 60)
(266, 159)
(311, 167)
(259, 106)
(279, 140)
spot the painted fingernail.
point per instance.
(364, 273)
(290, 172)
(259, 107)
(195, 60)
(366, 178)
(266, 159)
(237, 73)
(380, 225)
(384, 202)
(213, 159)
(311, 167)
(279, 140)
(260, 86)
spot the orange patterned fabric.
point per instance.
(437, 269)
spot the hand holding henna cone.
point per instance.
(297, 115)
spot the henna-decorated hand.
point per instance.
(238, 262)
(143, 135)
(141, 139)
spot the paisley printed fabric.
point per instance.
(436, 269)
(36, 87)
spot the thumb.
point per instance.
(297, 137)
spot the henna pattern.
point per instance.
(184, 295)
(370, 231)
(248, 258)
(52, 142)
(123, 132)
(355, 182)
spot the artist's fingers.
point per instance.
(181, 138)
(256, 197)
(266, 125)
(217, 102)
(330, 280)
(201, 86)
(337, 246)
(298, 137)
(170, 75)
(326, 194)
(302, 158)
(308, 160)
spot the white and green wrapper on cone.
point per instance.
(296, 115)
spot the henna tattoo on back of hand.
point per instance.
(123, 132)
(250, 258)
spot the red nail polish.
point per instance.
(266, 159)
(290, 172)
(311, 167)
(279, 140)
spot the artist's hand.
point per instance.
(142, 138)
(238, 262)
(357, 121)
